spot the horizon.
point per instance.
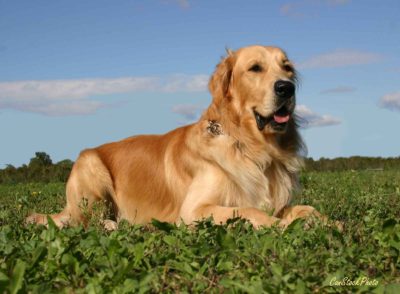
(75, 76)
(305, 158)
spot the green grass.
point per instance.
(209, 258)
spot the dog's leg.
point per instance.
(77, 204)
(203, 198)
(290, 213)
(89, 182)
(221, 214)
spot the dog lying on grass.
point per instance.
(240, 159)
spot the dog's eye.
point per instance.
(288, 67)
(256, 68)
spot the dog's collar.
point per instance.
(214, 128)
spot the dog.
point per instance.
(239, 160)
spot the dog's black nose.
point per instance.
(284, 89)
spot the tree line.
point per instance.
(42, 169)
(352, 163)
(39, 169)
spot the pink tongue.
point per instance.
(281, 119)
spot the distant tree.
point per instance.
(61, 170)
(65, 163)
(41, 159)
(352, 163)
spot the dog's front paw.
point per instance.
(260, 219)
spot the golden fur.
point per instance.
(222, 166)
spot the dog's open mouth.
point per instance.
(277, 121)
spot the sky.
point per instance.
(77, 74)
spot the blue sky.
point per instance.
(76, 74)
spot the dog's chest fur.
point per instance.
(253, 178)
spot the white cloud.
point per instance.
(340, 58)
(338, 90)
(189, 112)
(186, 83)
(65, 108)
(291, 9)
(390, 101)
(183, 3)
(309, 119)
(72, 89)
(72, 97)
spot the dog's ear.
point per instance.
(219, 81)
(229, 52)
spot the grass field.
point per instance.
(209, 258)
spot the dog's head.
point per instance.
(259, 82)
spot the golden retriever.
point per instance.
(239, 159)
